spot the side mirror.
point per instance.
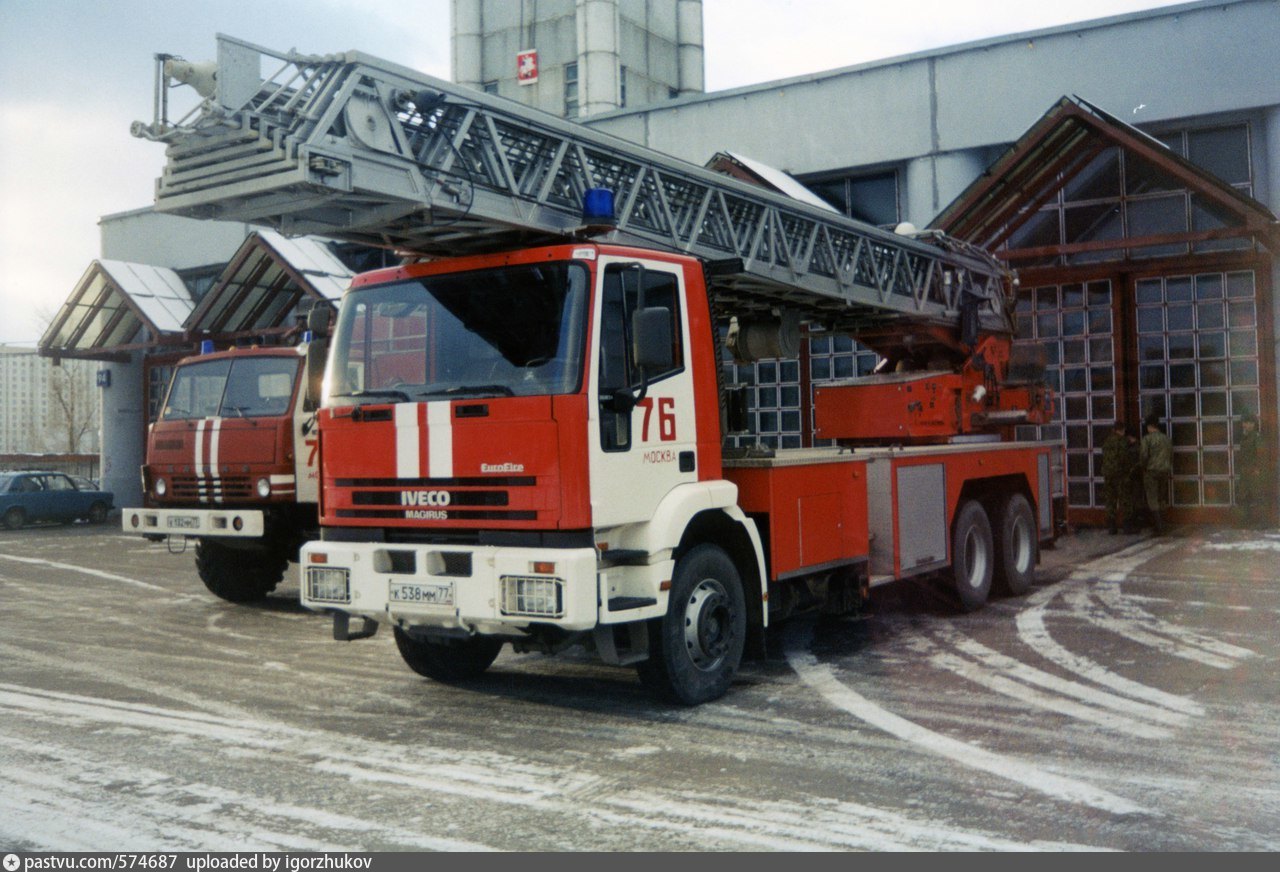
(319, 319)
(651, 339)
(317, 351)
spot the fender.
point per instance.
(660, 536)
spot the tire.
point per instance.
(238, 576)
(15, 518)
(97, 513)
(972, 556)
(450, 661)
(1017, 541)
(696, 647)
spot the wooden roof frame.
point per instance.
(1053, 152)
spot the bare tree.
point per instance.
(73, 410)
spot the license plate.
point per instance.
(183, 522)
(426, 594)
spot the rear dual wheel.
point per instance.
(1004, 557)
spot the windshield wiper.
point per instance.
(378, 392)
(500, 390)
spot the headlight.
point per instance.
(264, 488)
(162, 487)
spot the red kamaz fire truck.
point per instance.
(523, 440)
(231, 463)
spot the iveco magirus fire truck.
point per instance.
(523, 440)
(231, 463)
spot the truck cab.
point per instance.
(229, 463)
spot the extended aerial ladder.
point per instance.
(356, 148)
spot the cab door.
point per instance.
(642, 428)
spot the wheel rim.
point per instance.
(975, 559)
(708, 625)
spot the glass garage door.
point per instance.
(1198, 370)
(1073, 325)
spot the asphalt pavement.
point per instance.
(1130, 701)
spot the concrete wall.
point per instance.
(123, 432)
(646, 37)
(1185, 61)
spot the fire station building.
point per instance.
(1128, 169)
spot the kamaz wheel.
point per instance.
(972, 556)
(695, 649)
(448, 661)
(1016, 545)
(238, 576)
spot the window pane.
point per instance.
(1178, 290)
(1182, 346)
(1100, 293)
(1213, 375)
(1152, 348)
(1099, 320)
(1185, 435)
(1151, 377)
(1150, 320)
(1213, 404)
(1215, 463)
(1098, 180)
(1150, 291)
(1100, 350)
(1241, 313)
(1210, 316)
(1047, 325)
(1215, 433)
(1180, 318)
(1217, 493)
(1047, 298)
(1244, 372)
(1213, 345)
(1073, 351)
(1072, 296)
(1240, 285)
(1101, 378)
(1182, 375)
(1182, 405)
(1104, 408)
(1209, 287)
(1223, 152)
(1244, 343)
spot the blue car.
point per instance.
(26, 497)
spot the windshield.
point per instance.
(513, 331)
(246, 387)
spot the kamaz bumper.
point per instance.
(158, 523)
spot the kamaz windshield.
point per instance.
(246, 387)
(512, 331)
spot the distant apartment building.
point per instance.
(47, 408)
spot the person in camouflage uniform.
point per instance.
(1156, 457)
(1250, 476)
(1117, 477)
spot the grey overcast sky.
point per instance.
(75, 73)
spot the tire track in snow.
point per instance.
(822, 678)
(499, 778)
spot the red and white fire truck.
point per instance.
(231, 463)
(524, 439)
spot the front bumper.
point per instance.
(478, 589)
(240, 523)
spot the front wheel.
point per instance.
(238, 576)
(448, 661)
(695, 649)
(97, 513)
(972, 556)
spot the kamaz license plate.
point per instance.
(423, 593)
(183, 522)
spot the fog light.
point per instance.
(135, 521)
(162, 487)
(264, 488)
(532, 597)
(238, 523)
(328, 585)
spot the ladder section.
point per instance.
(352, 147)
